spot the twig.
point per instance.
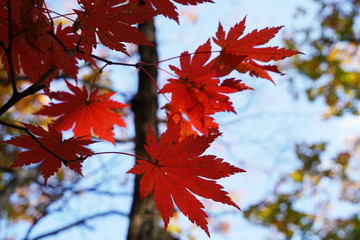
(38, 85)
(121, 153)
(187, 54)
(109, 62)
(81, 158)
(8, 52)
(2, 122)
(81, 221)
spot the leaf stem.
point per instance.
(140, 66)
(81, 158)
(187, 54)
(122, 153)
(60, 15)
(44, 147)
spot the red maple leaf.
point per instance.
(68, 149)
(203, 123)
(112, 22)
(29, 39)
(197, 91)
(34, 44)
(90, 112)
(174, 116)
(168, 9)
(177, 171)
(71, 41)
(248, 50)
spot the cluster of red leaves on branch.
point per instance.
(32, 45)
(197, 91)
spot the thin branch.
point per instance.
(38, 85)
(187, 54)
(81, 158)
(60, 15)
(152, 79)
(121, 153)
(94, 79)
(58, 40)
(3, 81)
(11, 69)
(102, 192)
(8, 52)
(51, 20)
(2, 122)
(117, 140)
(9, 21)
(64, 161)
(18, 178)
(79, 222)
(165, 71)
(5, 169)
(2, 45)
(109, 62)
(24, 77)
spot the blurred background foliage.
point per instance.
(332, 56)
(320, 199)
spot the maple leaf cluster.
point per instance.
(32, 45)
(198, 93)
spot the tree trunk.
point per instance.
(144, 217)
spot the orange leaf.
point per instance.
(197, 92)
(90, 113)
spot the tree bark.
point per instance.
(144, 217)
